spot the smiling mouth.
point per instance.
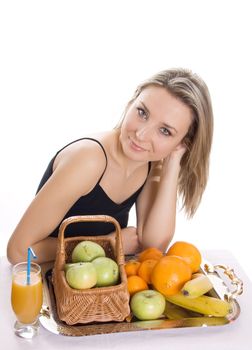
(136, 147)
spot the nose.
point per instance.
(144, 133)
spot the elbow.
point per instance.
(160, 243)
(14, 256)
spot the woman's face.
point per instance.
(154, 125)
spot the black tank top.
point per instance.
(96, 202)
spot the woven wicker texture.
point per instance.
(96, 304)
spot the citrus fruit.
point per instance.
(131, 267)
(136, 284)
(145, 269)
(170, 274)
(188, 252)
(150, 253)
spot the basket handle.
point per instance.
(93, 218)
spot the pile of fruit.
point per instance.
(171, 284)
(90, 267)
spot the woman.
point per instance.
(160, 148)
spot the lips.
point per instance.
(136, 147)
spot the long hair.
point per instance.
(189, 88)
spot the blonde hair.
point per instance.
(193, 92)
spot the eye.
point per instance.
(165, 131)
(141, 112)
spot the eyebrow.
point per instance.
(165, 124)
(170, 127)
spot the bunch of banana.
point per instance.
(197, 286)
(175, 312)
(203, 304)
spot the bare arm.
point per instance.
(130, 241)
(156, 206)
(73, 177)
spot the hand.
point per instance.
(131, 244)
(178, 152)
(175, 156)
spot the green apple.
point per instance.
(87, 251)
(81, 276)
(107, 271)
(147, 304)
(69, 265)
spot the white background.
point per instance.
(67, 68)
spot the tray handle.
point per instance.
(229, 272)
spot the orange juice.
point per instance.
(26, 299)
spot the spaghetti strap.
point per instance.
(99, 143)
(91, 139)
(49, 169)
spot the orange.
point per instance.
(146, 268)
(187, 251)
(150, 253)
(131, 267)
(170, 274)
(136, 284)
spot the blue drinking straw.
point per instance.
(30, 253)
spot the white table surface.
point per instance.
(234, 336)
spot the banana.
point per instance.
(197, 286)
(175, 312)
(204, 304)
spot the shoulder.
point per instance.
(84, 160)
(83, 151)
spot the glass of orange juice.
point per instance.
(26, 298)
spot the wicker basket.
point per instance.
(96, 304)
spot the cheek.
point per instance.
(128, 123)
(164, 148)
